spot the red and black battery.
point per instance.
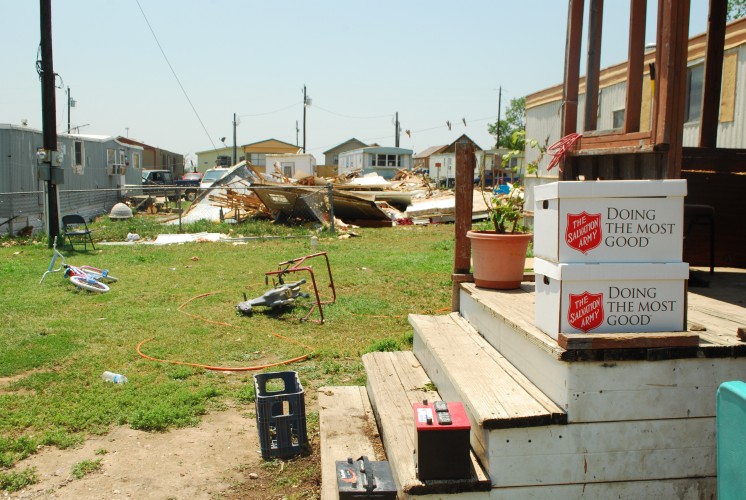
(442, 449)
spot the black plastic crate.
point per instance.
(280, 415)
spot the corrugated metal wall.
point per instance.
(88, 189)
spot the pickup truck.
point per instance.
(162, 183)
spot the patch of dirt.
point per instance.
(209, 461)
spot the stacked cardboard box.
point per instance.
(608, 257)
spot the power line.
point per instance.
(175, 75)
(353, 117)
(275, 111)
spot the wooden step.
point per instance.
(396, 380)
(466, 368)
(347, 429)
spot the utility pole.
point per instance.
(396, 131)
(296, 132)
(49, 168)
(499, 108)
(234, 139)
(304, 118)
(69, 105)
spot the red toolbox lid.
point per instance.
(424, 411)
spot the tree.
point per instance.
(515, 120)
(736, 9)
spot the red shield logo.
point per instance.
(586, 311)
(583, 232)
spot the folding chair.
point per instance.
(74, 226)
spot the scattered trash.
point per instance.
(114, 377)
(133, 237)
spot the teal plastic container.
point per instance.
(731, 440)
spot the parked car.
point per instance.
(211, 176)
(167, 186)
(192, 176)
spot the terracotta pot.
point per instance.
(498, 259)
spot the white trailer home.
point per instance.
(95, 171)
(385, 161)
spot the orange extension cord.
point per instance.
(221, 368)
(228, 368)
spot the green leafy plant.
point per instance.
(506, 209)
(15, 481)
(82, 469)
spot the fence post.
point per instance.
(331, 207)
(178, 207)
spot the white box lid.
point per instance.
(611, 189)
(612, 271)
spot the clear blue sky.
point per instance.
(432, 61)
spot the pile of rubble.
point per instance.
(353, 199)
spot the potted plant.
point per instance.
(499, 255)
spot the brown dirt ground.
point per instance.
(220, 459)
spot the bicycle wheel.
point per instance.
(98, 274)
(90, 285)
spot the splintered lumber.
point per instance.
(241, 205)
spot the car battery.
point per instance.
(442, 449)
(362, 478)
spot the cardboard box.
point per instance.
(610, 298)
(610, 221)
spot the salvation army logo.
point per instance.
(586, 311)
(583, 232)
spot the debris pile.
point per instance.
(239, 206)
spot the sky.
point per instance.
(172, 73)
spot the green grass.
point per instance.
(56, 342)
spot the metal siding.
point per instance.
(18, 163)
(611, 99)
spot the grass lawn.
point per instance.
(56, 342)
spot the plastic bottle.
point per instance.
(314, 243)
(114, 377)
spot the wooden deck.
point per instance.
(550, 421)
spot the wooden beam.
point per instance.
(465, 160)
(670, 87)
(708, 130)
(635, 65)
(572, 67)
(635, 140)
(593, 63)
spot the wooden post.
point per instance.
(464, 201)
(671, 52)
(49, 121)
(708, 130)
(593, 63)
(572, 71)
(635, 62)
(572, 67)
